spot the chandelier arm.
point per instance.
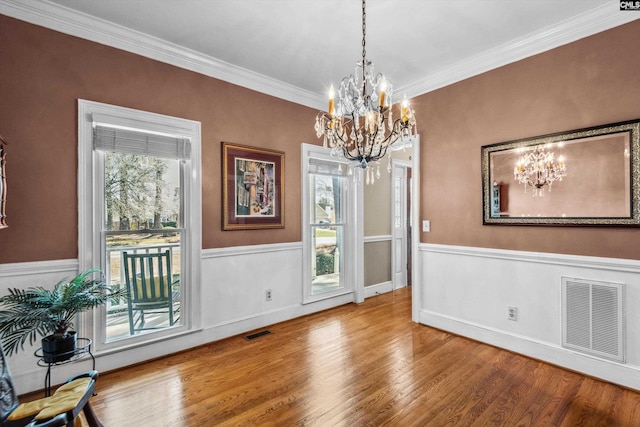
(344, 144)
(347, 155)
(380, 153)
(399, 125)
(369, 145)
(383, 152)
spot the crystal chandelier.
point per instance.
(360, 125)
(537, 169)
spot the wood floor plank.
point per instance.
(549, 393)
(357, 365)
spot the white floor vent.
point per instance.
(592, 317)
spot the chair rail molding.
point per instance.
(250, 249)
(31, 268)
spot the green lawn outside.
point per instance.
(323, 232)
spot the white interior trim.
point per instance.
(250, 249)
(380, 238)
(69, 21)
(625, 375)
(378, 289)
(17, 269)
(592, 263)
(416, 275)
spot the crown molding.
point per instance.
(596, 20)
(69, 21)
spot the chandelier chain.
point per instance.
(364, 30)
(364, 42)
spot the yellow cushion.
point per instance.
(29, 409)
(156, 282)
(64, 399)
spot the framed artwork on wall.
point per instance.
(253, 187)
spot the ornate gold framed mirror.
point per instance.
(580, 177)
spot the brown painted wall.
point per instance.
(44, 73)
(590, 82)
(586, 83)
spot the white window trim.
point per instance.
(89, 247)
(354, 284)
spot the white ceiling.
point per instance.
(296, 48)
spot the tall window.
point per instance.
(327, 230)
(142, 202)
(143, 221)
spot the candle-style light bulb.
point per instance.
(332, 95)
(404, 110)
(383, 89)
(369, 122)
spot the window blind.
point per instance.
(130, 141)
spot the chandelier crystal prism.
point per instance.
(359, 124)
(537, 169)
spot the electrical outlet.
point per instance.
(512, 312)
(426, 226)
(268, 295)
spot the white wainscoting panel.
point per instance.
(26, 375)
(234, 282)
(467, 290)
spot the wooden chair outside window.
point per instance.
(151, 288)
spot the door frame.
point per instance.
(400, 280)
(416, 282)
(354, 284)
(357, 273)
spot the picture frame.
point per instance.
(253, 187)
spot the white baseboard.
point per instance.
(378, 289)
(622, 374)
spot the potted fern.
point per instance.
(26, 314)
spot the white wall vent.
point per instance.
(592, 318)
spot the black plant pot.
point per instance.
(58, 349)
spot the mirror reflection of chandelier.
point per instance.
(360, 125)
(537, 169)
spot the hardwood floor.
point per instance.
(358, 365)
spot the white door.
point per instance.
(400, 199)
